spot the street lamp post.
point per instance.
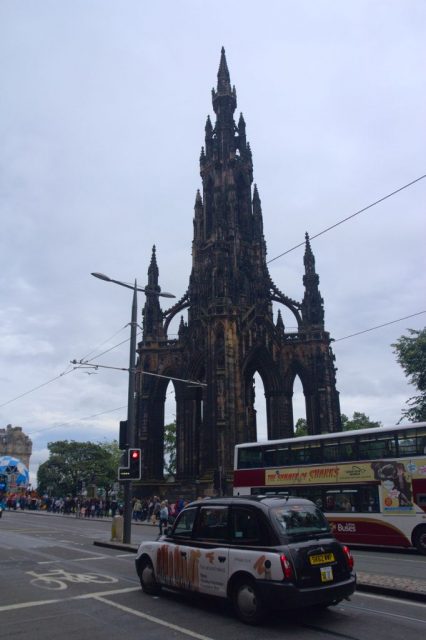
(130, 433)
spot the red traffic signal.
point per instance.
(134, 466)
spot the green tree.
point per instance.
(411, 355)
(170, 448)
(71, 462)
(359, 421)
(301, 428)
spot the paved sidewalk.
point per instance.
(392, 586)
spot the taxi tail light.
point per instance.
(348, 557)
(286, 567)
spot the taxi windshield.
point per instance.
(300, 519)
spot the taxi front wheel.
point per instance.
(147, 577)
(247, 601)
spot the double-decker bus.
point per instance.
(370, 483)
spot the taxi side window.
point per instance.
(184, 523)
(245, 527)
(212, 523)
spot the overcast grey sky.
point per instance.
(102, 115)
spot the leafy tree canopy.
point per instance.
(170, 448)
(411, 355)
(301, 428)
(359, 421)
(72, 462)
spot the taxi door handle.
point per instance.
(183, 554)
(222, 558)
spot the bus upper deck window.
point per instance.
(407, 443)
(249, 458)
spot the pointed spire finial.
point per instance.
(223, 78)
(153, 269)
(308, 258)
(280, 323)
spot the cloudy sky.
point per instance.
(102, 113)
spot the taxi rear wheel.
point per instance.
(247, 601)
(147, 577)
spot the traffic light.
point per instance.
(134, 466)
(122, 439)
(135, 463)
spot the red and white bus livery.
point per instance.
(370, 483)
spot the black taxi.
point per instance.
(260, 552)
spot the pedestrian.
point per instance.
(156, 510)
(163, 516)
(137, 510)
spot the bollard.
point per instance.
(117, 529)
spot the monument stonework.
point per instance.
(230, 332)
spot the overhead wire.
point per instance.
(69, 369)
(104, 342)
(336, 224)
(43, 384)
(379, 326)
(382, 199)
(64, 424)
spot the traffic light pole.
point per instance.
(130, 429)
(127, 512)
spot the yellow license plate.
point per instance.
(322, 558)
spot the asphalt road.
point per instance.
(54, 583)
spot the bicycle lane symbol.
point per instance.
(57, 579)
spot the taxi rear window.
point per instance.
(300, 519)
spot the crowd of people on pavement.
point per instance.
(157, 511)
(154, 510)
(78, 506)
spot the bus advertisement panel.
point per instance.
(394, 478)
(368, 499)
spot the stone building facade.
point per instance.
(14, 442)
(230, 332)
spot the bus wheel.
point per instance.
(420, 540)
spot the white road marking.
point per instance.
(145, 616)
(101, 597)
(110, 592)
(99, 556)
(386, 561)
(24, 605)
(40, 603)
(91, 558)
(377, 596)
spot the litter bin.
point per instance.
(117, 529)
